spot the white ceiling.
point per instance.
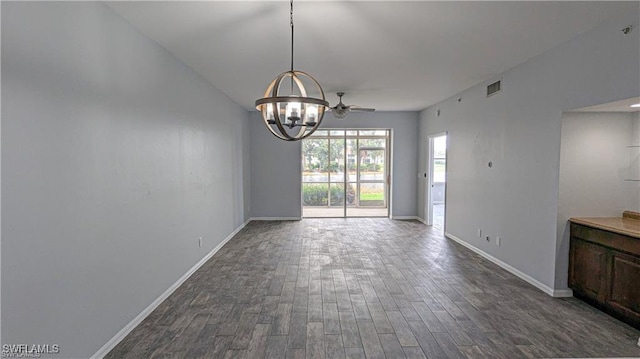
(617, 106)
(392, 55)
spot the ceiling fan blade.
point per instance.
(363, 109)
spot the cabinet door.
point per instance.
(587, 271)
(624, 293)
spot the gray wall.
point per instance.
(276, 164)
(519, 130)
(116, 157)
(634, 154)
(275, 173)
(594, 163)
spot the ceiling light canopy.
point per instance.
(293, 104)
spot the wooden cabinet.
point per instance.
(588, 269)
(625, 284)
(604, 270)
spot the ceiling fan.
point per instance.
(340, 111)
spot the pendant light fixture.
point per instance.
(288, 107)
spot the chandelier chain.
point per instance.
(291, 23)
(294, 116)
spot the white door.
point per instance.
(436, 184)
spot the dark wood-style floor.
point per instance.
(374, 288)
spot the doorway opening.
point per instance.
(436, 187)
(345, 173)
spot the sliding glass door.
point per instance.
(360, 191)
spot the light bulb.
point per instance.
(312, 111)
(270, 111)
(293, 110)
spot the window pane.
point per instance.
(373, 133)
(319, 133)
(352, 199)
(372, 165)
(439, 170)
(315, 159)
(337, 195)
(352, 158)
(336, 132)
(315, 177)
(439, 160)
(371, 142)
(315, 194)
(440, 147)
(352, 133)
(336, 165)
(371, 195)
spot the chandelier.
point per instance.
(288, 107)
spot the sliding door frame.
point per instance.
(387, 177)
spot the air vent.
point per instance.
(493, 89)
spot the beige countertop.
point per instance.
(621, 225)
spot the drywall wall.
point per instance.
(275, 173)
(594, 164)
(518, 130)
(246, 165)
(276, 164)
(116, 157)
(634, 154)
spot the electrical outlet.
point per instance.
(488, 239)
(479, 233)
(498, 241)
(200, 242)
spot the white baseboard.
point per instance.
(420, 219)
(562, 293)
(140, 317)
(275, 218)
(558, 293)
